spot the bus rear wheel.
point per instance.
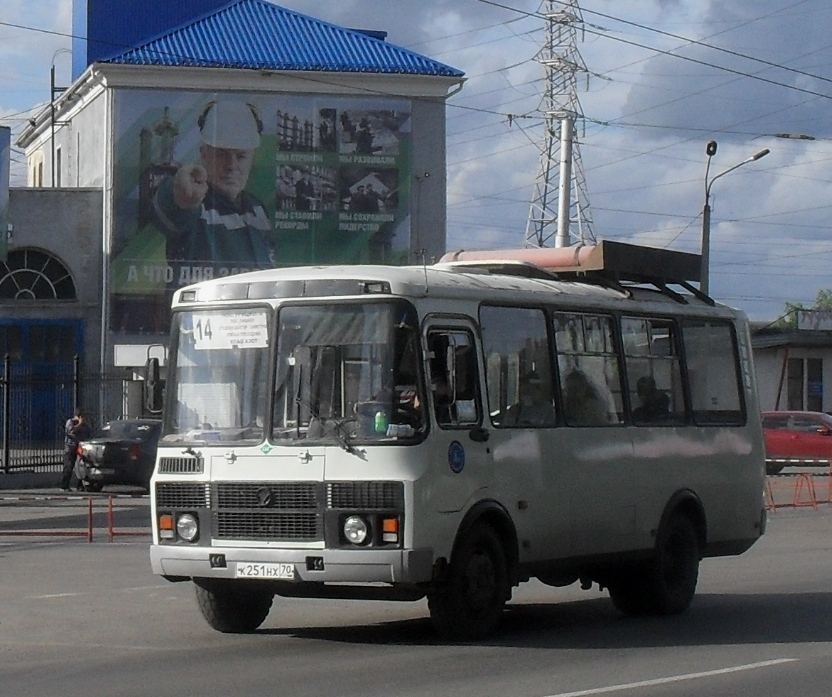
(666, 583)
(469, 604)
(232, 606)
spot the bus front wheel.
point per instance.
(666, 583)
(469, 604)
(232, 606)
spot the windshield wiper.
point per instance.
(331, 427)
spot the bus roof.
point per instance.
(604, 273)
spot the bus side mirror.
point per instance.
(153, 387)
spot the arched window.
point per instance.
(31, 274)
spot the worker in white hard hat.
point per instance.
(204, 210)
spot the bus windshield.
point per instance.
(347, 373)
(217, 389)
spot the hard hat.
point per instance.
(229, 124)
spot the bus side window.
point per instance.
(654, 372)
(518, 367)
(589, 368)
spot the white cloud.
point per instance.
(649, 116)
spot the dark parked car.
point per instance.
(797, 435)
(123, 451)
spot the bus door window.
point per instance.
(654, 376)
(518, 367)
(589, 369)
(452, 371)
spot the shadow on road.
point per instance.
(595, 624)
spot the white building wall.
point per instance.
(769, 367)
(768, 364)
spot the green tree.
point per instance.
(788, 320)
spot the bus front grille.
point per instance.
(276, 511)
(182, 495)
(365, 495)
(181, 465)
(268, 525)
(295, 495)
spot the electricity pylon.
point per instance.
(559, 215)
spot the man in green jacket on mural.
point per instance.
(203, 210)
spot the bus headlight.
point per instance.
(187, 527)
(356, 529)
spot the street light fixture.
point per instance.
(706, 211)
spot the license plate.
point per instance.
(285, 572)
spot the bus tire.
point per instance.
(469, 603)
(666, 583)
(232, 607)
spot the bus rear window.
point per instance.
(713, 372)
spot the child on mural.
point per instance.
(203, 210)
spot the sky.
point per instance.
(663, 78)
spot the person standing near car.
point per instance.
(76, 429)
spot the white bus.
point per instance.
(450, 431)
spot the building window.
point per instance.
(58, 167)
(36, 169)
(30, 274)
(805, 384)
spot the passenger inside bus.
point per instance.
(583, 404)
(534, 408)
(655, 404)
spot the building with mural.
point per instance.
(199, 139)
(249, 137)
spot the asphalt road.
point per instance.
(90, 619)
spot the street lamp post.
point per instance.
(704, 273)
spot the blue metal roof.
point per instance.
(258, 35)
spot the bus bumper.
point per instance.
(309, 565)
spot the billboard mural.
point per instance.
(5, 164)
(208, 185)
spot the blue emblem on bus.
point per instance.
(456, 457)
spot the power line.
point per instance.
(603, 34)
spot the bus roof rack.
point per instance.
(611, 264)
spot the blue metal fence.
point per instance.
(37, 401)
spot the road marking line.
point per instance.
(53, 595)
(674, 678)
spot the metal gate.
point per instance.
(37, 401)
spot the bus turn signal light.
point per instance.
(390, 529)
(166, 526)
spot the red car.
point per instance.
(797, 435)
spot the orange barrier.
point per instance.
(802, 487)
(772, 486)
(829, 484)
(111, 524)
(88, 533)
(806, 482)
(56, 533)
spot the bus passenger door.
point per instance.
(458, 447)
